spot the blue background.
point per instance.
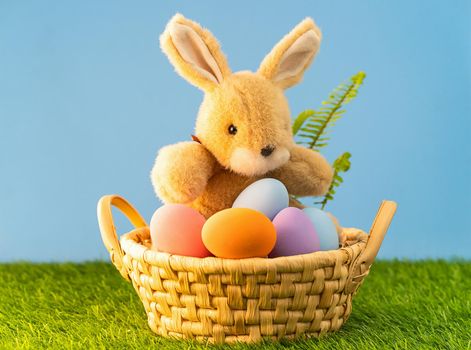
(87, 98)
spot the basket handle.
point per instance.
(108, 230)
(378, 230)
(361, 266)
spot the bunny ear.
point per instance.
(293, 54)
(194, 52)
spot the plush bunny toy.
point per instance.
(243, 130)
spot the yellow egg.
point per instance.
(238, 233)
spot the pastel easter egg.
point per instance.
(325, 228)
(238, 233)
(295, 233)
(176, 229)
(268, 196)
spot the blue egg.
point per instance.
(268, 196)
(325, 228)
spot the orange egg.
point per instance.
(238, 233)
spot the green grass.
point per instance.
(401, 305)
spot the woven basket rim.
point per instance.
(131, 245)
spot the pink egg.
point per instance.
(295, 233)
(176, 229)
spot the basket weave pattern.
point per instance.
(232, 300)
(225, 300)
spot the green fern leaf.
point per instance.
(311, 127)
(300, 119)
(341, 165)
(319, 122)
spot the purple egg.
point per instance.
(295, 233)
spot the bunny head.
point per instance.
(244, 119)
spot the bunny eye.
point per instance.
(232, 129)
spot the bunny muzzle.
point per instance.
(250, 162)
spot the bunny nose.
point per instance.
(267, 150)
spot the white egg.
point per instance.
(268, 196)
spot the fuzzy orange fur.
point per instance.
(209, 175)
(184, 69)
(270, 63)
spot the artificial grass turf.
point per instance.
(401, 305)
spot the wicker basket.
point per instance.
(226, 300)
